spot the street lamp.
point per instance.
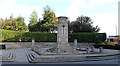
(116, 30)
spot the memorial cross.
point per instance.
(63, 28)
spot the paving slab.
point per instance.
(22, 58)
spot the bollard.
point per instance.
(88, 50)
(33, 42)
(75, 43)
(101, 50)
(93, 49)
(75, 46)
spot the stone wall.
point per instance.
(14, 45)
(10, 45)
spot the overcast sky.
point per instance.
(103, 12)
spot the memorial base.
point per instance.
(64, 48)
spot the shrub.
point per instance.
(107, 45)
(119, 37)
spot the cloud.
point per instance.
(58, 1)
(75, 7)
(107, 22)
(115, 6)
(9, 7)
(45, 1)
(99, 2)
(78, 5)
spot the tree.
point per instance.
(11, 23)
(20, 24)
(2, 23)
(16, 24)
(38, 26)
(7, 23)
(55, 18)
(33, 20)
(83, 24)
(48, 21)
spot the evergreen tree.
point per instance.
(48, 21)
(33, 20)
(2, 23)
(20, 24)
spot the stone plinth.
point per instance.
(88, 50)
(62, 35)
(75, 46)
(33, 42)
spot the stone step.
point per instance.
(71, 58)
(8, 58)
(44, 59)
(12, 60)
(102, 58)
(104, 55)
(28, 57)
(54, 60)
(35, 54)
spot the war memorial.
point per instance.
(57, 52)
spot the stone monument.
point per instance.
(62, 35)
(33, 42)
(75, 46)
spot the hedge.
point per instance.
(88, 37)
(13, 36)
(8, 35)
